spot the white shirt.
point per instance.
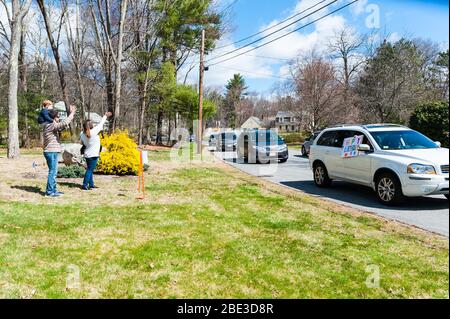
(93, 143)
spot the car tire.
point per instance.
(321, 178)
(304, 154)
(389, 189)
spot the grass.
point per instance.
(159, 155)
(24, 152)
(205, 231)
(295, 147)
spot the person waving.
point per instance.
(91, 142)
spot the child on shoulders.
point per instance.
(44, 117)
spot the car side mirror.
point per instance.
(364, 148)
(439, 144)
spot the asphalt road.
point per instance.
(429, 213)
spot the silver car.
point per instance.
(212, 142)
(306, 146)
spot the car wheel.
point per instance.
(389, 189)
(321, 178)
(304, 154)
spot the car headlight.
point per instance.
(282, 148)
(421, 169)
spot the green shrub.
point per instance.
(294, 138)
(431, 119)
(73, 171)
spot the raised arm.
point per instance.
(64, 123)
(96, 130)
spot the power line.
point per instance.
(285, 35)
(272, 33)
(254, 73)
(228, 7)
(268, 57)
(270, 28)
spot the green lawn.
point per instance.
(24, 152)
(160, 155)
(209, 231)
(296, 147)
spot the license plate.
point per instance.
(272, 154)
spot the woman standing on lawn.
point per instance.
(52, 147)
(91, 141)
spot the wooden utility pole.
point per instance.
(200, 93)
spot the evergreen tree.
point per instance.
(236, 90)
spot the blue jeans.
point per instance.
(88, 181)
(52, 163)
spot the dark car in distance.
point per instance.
(306, 146)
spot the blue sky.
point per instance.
(413, 18)
(428, 19)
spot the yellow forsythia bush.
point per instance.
(65, 136)
(120, 155)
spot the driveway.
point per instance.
(429, 213)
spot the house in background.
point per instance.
(268, 121)
(287, 122)
(252, 123)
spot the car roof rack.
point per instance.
(381, 125)
(342, 125)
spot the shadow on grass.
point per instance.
(29, 189)
(70, 184)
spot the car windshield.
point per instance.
(266, 137)
(228, 136)
(402, 140)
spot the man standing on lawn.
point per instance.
(52, 147)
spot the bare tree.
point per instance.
(346, 45)
(143, 53)
(19, 10)
(118, 62)
(316, 87)
(40, 58)
(76, 36)
(55, 46)
(347, 48)
(5, 29)
(110, 56)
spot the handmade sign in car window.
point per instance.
(350, 147)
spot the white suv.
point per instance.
(394, 160)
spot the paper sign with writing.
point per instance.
(350, 147)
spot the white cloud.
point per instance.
(315, 37)
(359, 7)
(394, 37)
(249, 66)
